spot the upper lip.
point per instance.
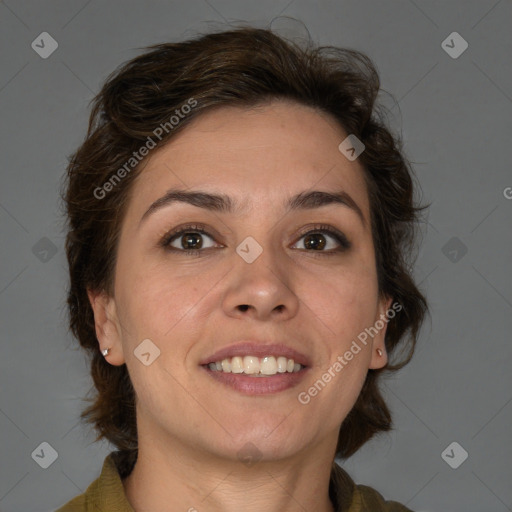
(249, 348)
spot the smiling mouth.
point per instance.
(251, 375)
(253, 366)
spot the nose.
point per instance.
(262, 290)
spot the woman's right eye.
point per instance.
(189, 241)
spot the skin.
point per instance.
(191, 427)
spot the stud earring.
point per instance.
(379, 352)
(105, 352)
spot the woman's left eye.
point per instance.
(324, 240)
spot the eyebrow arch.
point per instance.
(225, 204)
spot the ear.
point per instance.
(378, 345)
(107, 327)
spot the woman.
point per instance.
(240, 223)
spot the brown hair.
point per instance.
(242, 67)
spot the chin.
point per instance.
(269, 439)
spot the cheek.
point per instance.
(345, 301)
(155, 300)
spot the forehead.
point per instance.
(259, 156)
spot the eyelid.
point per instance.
(194, 227)
(339, 236)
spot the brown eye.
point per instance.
(189, 241)
(323, 240)
(315, 241)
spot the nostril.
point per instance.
(243, 307)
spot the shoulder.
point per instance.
(106, 493)
(349, 497)
(81, 503)
(77, 504)
(367, 499)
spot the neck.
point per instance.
(183, 478)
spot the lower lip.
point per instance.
(258, 385)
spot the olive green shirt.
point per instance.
(106, 494)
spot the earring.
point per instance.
(105, 352)
(379, 352)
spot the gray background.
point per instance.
(455, 116)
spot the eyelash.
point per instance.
(199, 228)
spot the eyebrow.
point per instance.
(222, 203)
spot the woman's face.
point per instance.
(263, 273)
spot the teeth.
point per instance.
(281, 364)
(255, 366)
(251, 365)
(268, 366)
(237, 365)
